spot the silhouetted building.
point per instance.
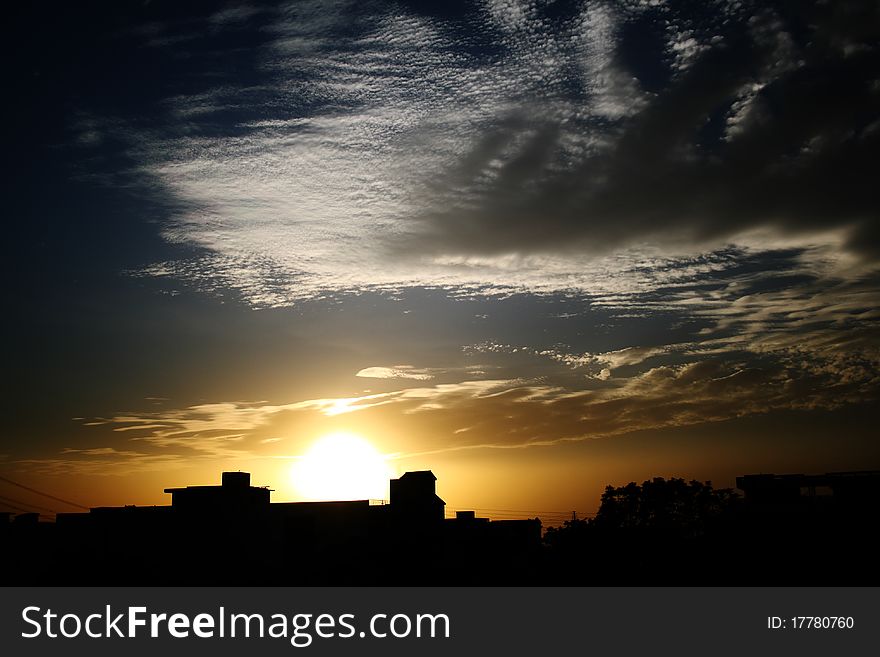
(789, 529)
(234, 534)
(234, 494)
(792, 522)
(414, 498)
(834, 491)
(30, 519)
(484, 551)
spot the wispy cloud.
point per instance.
(397, 372)
(510, 148)
(101, 463)
(618, 392)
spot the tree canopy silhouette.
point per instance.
(671, 504)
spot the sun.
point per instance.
(341, 466)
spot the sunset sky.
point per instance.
(536, 247)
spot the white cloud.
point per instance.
(396, 372)
(396, 130)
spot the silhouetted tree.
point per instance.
(571, 532)
(663, 504)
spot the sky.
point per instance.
(536, 247)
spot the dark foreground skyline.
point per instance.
(537, 247)
(667, 532)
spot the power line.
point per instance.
(567, 513)
(39, 492)
(562, 511)
(12, 500)
(15, 507)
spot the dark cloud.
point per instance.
(774, 123)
